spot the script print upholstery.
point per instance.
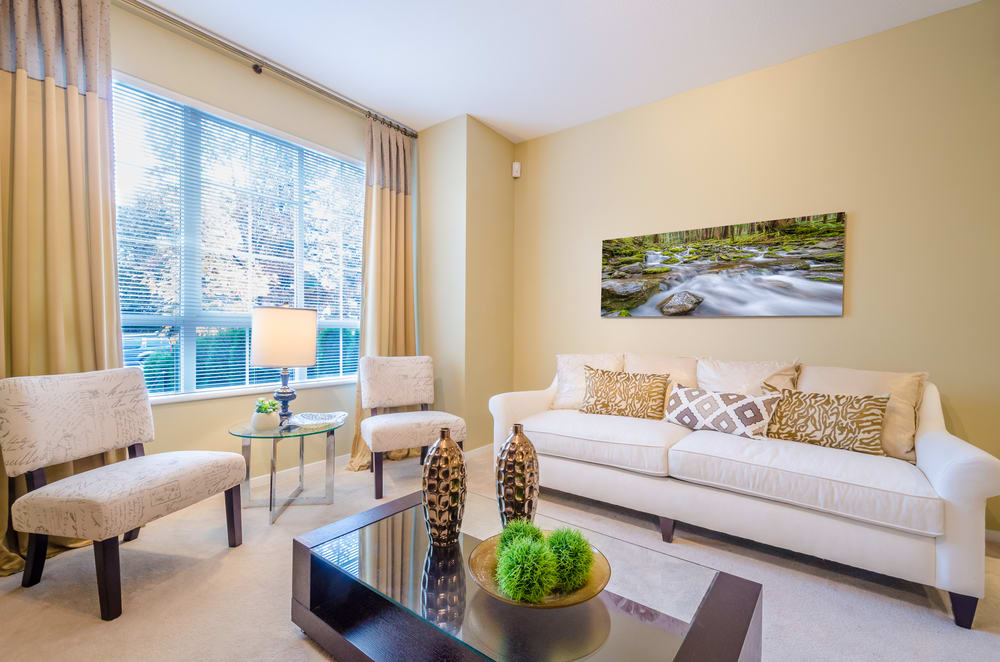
(850, 422)
(110, 500)
(389, 432)
(733, 413)
(48, 419)
(396, 381)
(624, 393)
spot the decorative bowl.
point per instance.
(483, 568)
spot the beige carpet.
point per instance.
(187, 596)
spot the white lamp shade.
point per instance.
(283, 337)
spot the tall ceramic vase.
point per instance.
(517, 477)
(444, 490)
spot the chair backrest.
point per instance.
(49, 419)
(396, 381)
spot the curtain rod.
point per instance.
(258, 62)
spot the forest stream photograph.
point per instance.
(783, 267)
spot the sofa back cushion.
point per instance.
(905, 389)
(745, 376)
(571, 383)
(848, 422)
(618, 393)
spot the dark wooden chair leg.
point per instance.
(371, 465)
(109, 579)
(131, 535)
(963, 607)
(423, 454)
(461, 445)
(38, 543)
(377, 464)
(234, 516)
(667, 529)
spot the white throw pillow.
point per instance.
(683, 370)
(571, 383)
(744, 376)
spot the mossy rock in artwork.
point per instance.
(527, 570)
(623, 313)
(518, 528)
(574, 558)
(656, 270)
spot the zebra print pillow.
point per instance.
(624, 393)
(851, 422)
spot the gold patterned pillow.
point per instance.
(850, 422)
(624, 393)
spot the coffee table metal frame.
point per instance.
(364, 625)
(247, 435)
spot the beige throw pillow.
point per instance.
(624, 393)
(733, 413)
(745, 376)
(571, 384)
(906, 393)
(849, 422)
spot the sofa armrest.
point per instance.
(510, 408)
(958, 471)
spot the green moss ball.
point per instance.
(526, 570)
(574, 558)
(518, 528)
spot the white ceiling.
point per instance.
(531, 67)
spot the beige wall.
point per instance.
(465, 275)
(489, 276)
(159, 56)
(901, 130)
(441, 258)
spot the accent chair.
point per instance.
(393, 382)
(50, 419)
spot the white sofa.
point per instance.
(923, 523)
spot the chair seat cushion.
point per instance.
(636, 444)
(876, 489)
(409, 429)
(110, 500)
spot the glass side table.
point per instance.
(247, 434)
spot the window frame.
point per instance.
(188, 323)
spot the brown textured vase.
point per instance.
(517, 477)
(444, 490)
(442, 588)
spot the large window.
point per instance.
(215, 218)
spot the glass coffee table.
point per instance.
(370, 587)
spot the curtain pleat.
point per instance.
(388, 321)
(57, 263)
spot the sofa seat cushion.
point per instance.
(110, 500)
(409, 429)
(875, 489)
(637, 444)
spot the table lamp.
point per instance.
(283, 338)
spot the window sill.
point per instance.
(236, 391)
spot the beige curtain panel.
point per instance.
(388, 322)
(57, 264)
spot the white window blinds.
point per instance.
(215, 218)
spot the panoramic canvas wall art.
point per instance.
(784, 267)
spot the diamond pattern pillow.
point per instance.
(733, 413)
(624, 393)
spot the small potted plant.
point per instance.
(265, 416)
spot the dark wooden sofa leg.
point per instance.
(667, 529)
(131, 535)
(38, 543)
(377, 464)
(109, 579)
(964, 609)
(234, 516)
